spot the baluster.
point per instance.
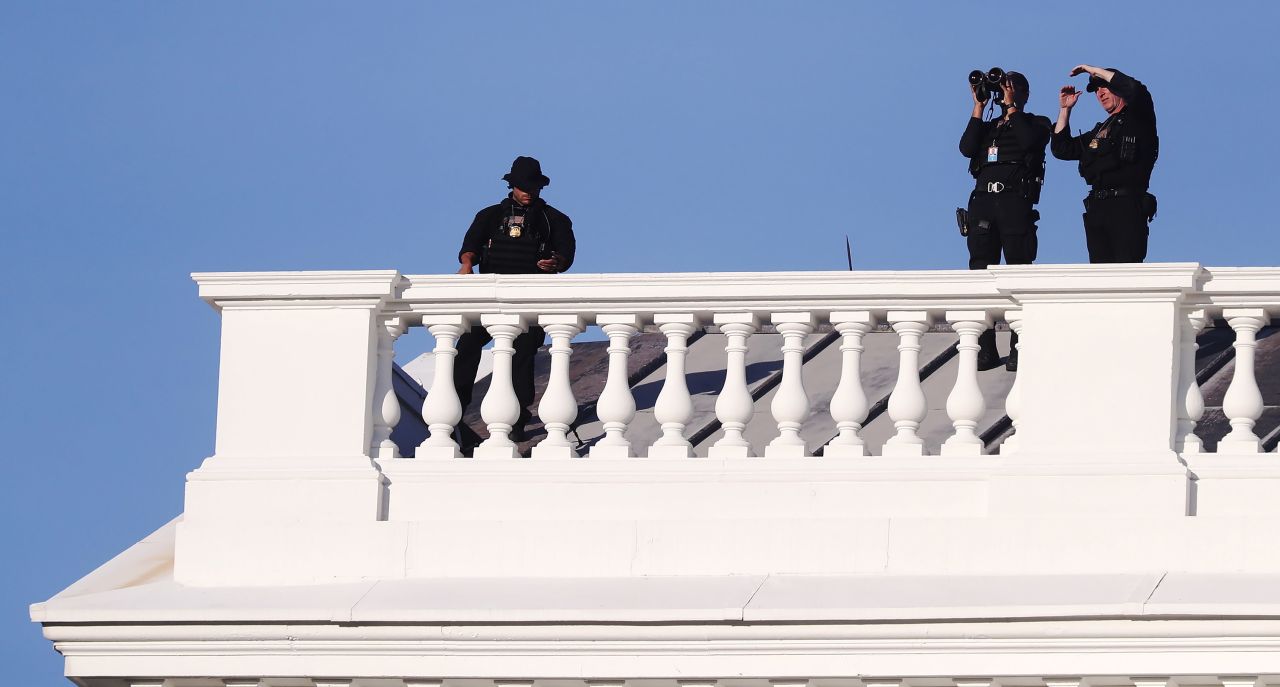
(558, 408)
(442, 409)
(1192, 406)
(386, 404)
(734, 405)
(674, 406)
(500, 408)
(616, 407)
(849, 403)
(1013, 402)
(907, 406)
(790, 404)
(965, 404)
(1243, 402)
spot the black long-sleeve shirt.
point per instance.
(1018, 141)
(1127, 143)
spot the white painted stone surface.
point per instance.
(303, 560)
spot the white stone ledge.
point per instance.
(841, 652)
(868, 598)
(693, 469)
(338, 284)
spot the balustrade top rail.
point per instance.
(879, 291)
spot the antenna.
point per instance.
(848, 252)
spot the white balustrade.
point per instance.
(616, 406)
(734, 405)
(965, 404)
(674, 406)
(1013, 402)
(442, 409)
(558, 407)
(500, 408)
(1243, 402)
(386, 404)
(907, 405)
(849, 402)
(790, 404)
(1192, 401)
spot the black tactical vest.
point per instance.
(507, 254)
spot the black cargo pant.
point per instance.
(1115, 228)
(468, 361)
(1010, 229)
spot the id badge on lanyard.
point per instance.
(993, 153)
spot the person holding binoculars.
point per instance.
(1116, 158)
(1006, 158)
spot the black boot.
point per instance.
(519, 431)
(467, 439)
(988, 356)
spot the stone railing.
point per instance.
(1091, 324)
(738, 305)
(1104, 405)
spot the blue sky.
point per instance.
(141, 141)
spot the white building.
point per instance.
(1098, 540)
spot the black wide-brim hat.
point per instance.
(1095, 83)
(526, 175)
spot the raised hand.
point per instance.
(1068, 96)
(1006, 88)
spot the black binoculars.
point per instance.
(987, 86)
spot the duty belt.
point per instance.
(1102, 193)
(995, 187)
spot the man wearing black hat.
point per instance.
(1006, 158)
(1116, 158)
(520, 235)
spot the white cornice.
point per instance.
(221, 288)
(587, 652)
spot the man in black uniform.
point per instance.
(1006, 157)
(520, 235)
(1116, 158)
